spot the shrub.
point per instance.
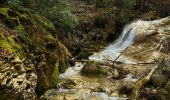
(61, 15)
(58, 11)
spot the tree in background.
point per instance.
(19, 3)
(63, 13)
(58, 11)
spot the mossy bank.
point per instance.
(31, 57)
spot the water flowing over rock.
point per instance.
(114, 49)
(134, 33)
(145, 40)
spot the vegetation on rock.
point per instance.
(35, 35)
(31, 37)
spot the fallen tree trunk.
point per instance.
(140, 83)
(109, 62)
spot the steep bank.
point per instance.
(31, 56)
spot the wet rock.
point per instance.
(49, 94)
(164, 45)
(17, 82)
(96, 68)
(158, 80)
(90, 67)
(115, 74)
(98, 89)
(67, 84)
(114, 94)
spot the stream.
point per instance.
(140, 40)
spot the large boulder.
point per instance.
(31, 56)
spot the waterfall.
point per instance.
(130, 33)
(113, 50)
(125, 40)
(85, 85)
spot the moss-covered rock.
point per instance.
(90, 68)
(28, 42)
(96, 68)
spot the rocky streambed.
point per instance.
(141, 43)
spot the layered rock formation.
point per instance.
(31, 57)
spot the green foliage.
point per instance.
(58, 11)
(126, 7)
(25, 3)
(61, 15)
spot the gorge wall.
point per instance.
(31, 56)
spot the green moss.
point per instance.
(4, 11)
(9, 44)
(20, 28)
(4, 44)
(16, 60)
(28, 69)
(50, 37)
(32, 32)
(103, 71)
(62, 66)
(9, 21)
(11, 40)
(15, 45)
(54, 78)
(2, 36)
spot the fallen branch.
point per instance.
(99, 62)
(115, 61)
(109, 62)
(144, 63)
(140, 83)
(120, 54)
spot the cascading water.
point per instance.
(126, 39)
(113, 50)
(129, 35)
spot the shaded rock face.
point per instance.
(31, 57)
(17, 77)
